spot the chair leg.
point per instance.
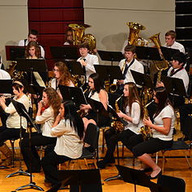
(118, 153)
(163, 164)
(12, 141)
(186, 157)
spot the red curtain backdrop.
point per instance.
(51, 18)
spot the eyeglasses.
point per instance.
(57, 70)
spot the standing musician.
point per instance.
(96, 93)
(68, 128)
(178, 71)
(128, 64)
(48, 109)
(87, 60)
(132, 114)
(162, 130)
(170, 39)
(13, 124)
(32, 36)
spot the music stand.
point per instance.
(65, 52)
(110, 56)
(21, 110)
(31, 65)
(14, 52)
(107, 72)
(75, 67)
(136, 177)
(148, 53)
(168, 53)
(6, 86)
(73, 93)
(81, 180)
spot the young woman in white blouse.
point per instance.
(132, 114)
(68, 128)
(48, 109)
(162, 130)
(13, 125)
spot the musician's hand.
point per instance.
(40, 104)
(2, 99)
(121, 114)
(160, 84)
(85, 107)
(147, 122)
(83, 62)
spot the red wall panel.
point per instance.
(51, 19)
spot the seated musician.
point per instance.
(62, 77)
(131, 114)
(69, 37)
(13, 124)
(178, 71)
(32, 36)
(128, 64)
(162, 132)
(87, 60)
(97, 93)
(68, 128)
(48, 109)
(32, 51)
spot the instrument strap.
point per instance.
(173, 73)
(127, 67)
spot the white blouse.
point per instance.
(167, 112)
(135, 114)
(13, 120)
(46, 119)
(68, 142)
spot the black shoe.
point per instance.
(33, 171)
(101, 164)
(148, 169)
(55, 187)
(156, 176)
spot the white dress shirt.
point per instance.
(4, 74)
(46, 119)
(136, 66)
(13, 120)
(177, 46)
(182, 74)
(90, 60)
(68, 142)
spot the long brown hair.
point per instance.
(133, 96)
(65, 75)
(54, 100)
(37, 49)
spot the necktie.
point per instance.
(125, 71)
(172, 72)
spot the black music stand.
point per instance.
(81, 180)
(75, 68)
(6, 86)
(31, 65)
(73, 93)
(20, 108)
(110, 56)
(168, 53)
(65, 52)
(14, 52)
(137, 177)
(107, 72)
(148, 53)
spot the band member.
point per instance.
(69, 37)
(170, 39)
(48, 109)
(132, 114)
(62, 77)
(96, 93)
(162, 130)
(87, 60)
(128, 64)
(13, 125)
(178, 71)
(68, 128)
(32, 36)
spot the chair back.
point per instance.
(92, 136)
(171, 184)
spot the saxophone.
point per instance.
(117, 124)
(145, 130)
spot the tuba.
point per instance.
(79, 36)
(160, 65)
(134, 38)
